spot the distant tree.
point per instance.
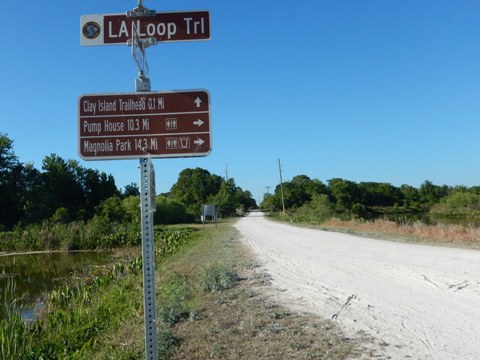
(171, 211)
(194, 187)
(459, 203)
(131, 190)
(245, 200)
(346, 194)
(298, 191)
(431, 194)
(226, 199)
(410, 195)
(380, 194)
(61, 186)
(131, 205)
(96, 186)
(113, 210)
(269, 202)
(10, 190)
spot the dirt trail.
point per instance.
(420, 302)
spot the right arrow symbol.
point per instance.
(198, 142)
(198, 122)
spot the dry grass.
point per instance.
(457, 235)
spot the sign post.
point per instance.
(148, 260)
(145, 124)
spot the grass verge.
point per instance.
(230, 313)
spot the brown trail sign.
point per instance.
(149, 124)
(115, 29)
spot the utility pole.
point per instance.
(281, 186)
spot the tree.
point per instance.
(226, 199)
(131, 190)
(194, 187)
(345, 193)
(245, 200)
(431, 194)
(459, 203)
(410, 195)
(61, 185)
(296, 192)
(170, 211)
(380, 194)
(10, 189)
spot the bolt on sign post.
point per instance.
(145, 125)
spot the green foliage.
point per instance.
(32, 196)
(112, 210)
(226, 199)
(10, 179)
(194, 187)
(346, 194)
(49, 235)
(431, 194)
(218, 278)
(172, 297)
(297, 192)
(170, 211)
(319, 209)
(380, 194)
(131, 190)
(460, 203)
(14, 335)
(131, 206)
(170, 242)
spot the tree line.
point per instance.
(65, 191)
(344, 197)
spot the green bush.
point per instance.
(218, 278)
(172, 296)
(319, 209)
(460, 203)
(169, 242)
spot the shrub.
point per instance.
(218, 278)
(460, 203)
(319, 209)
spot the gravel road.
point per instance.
(419, 302)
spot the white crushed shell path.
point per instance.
(419, 302)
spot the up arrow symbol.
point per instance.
(198, 122)
(198, 101)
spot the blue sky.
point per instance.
(372, 90)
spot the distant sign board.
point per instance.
(148, 124)
(115, 29)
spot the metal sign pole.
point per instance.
(148, 257)
(147, 202)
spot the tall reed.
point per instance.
(13, 332)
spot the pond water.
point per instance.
(36, 274)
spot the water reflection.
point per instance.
(35, 274)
